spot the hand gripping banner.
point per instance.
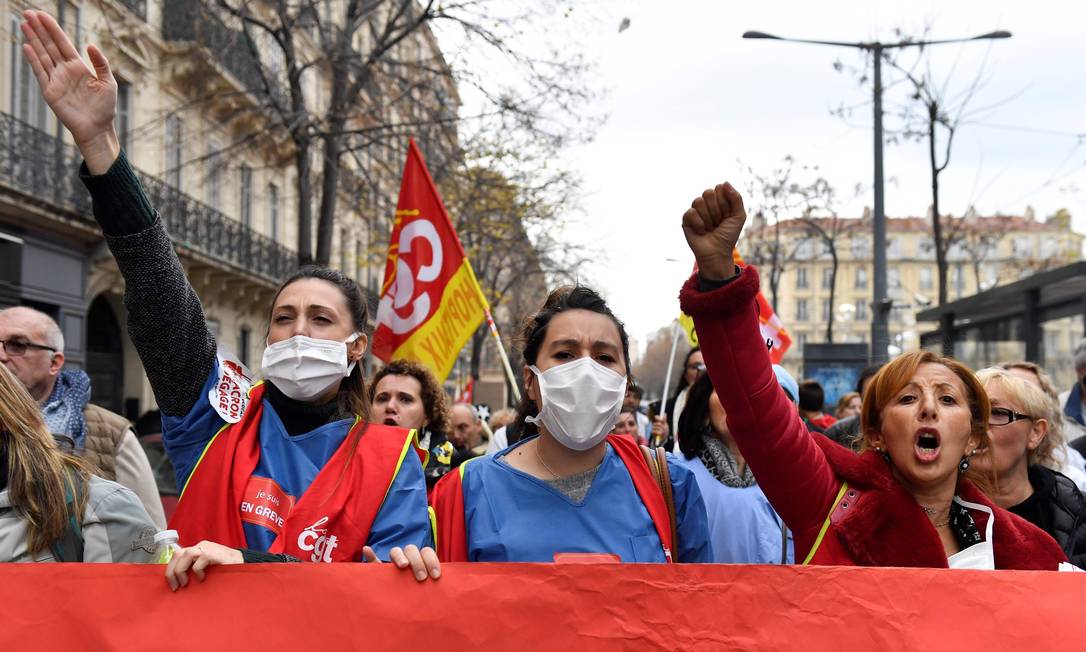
(431, 302)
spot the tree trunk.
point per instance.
(305, 202)
(329, 184)
(833, 291)
(775, 269)
(936, 222)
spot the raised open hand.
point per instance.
(84, 98)
(712, 226)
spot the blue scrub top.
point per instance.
(293, 463)
(512, 516)
(743, 526)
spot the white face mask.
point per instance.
(304, 368)
(581, 401)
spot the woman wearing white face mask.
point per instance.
(279, 466)
(567, 488)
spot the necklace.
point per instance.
(539, 456)
(932, 512)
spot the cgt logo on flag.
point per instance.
(430, 300)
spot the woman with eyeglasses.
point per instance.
(663, 433)
(1022, 448)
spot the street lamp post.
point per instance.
(880, 303)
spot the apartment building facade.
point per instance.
(987, 251)
(221, 178)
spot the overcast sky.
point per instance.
(687, 97)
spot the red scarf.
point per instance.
(447, 501)
(332, 519)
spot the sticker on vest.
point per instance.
(265, 504)
(318, 540)
(230, 394)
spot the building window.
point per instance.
(861, 249)
(926, 280)
(861, 278)
(1050, 247)
(123, 119)
(827, 310)
(245, 194)
(893, 278)
(893, 248)
(958, 280)
(804, 250)
(214, 173)
(801, 310)
(244, 337)
(174, 138)
(27, 103)
(801, 278)
(827, 278)
(273, 211)
(861, 310)
(1023, 247)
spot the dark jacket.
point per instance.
(846, 432)
(874, 520)
(1063, 511)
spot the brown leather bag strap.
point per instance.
(657, 461)
(664, 478)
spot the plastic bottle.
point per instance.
(165, 545)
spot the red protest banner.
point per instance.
(539, 607)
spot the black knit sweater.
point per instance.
(165, 317)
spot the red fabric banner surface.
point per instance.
(539, 607)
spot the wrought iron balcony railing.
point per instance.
(192, 21)
(45, 170)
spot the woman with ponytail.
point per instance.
(51, 507)
(286, 467)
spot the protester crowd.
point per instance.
(926, 464)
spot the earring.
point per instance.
(963, 466)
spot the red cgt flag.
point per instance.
(773, 332)
(431, 302)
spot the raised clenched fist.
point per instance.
(712, 226)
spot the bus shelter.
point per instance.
(1039, 318)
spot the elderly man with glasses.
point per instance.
(32, 347)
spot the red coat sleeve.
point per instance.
(447, 501)
(790, 467)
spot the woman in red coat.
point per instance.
(906, 499)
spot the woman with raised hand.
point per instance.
(569, 489)
(52, 508)
(286, 465)
(907, 499)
